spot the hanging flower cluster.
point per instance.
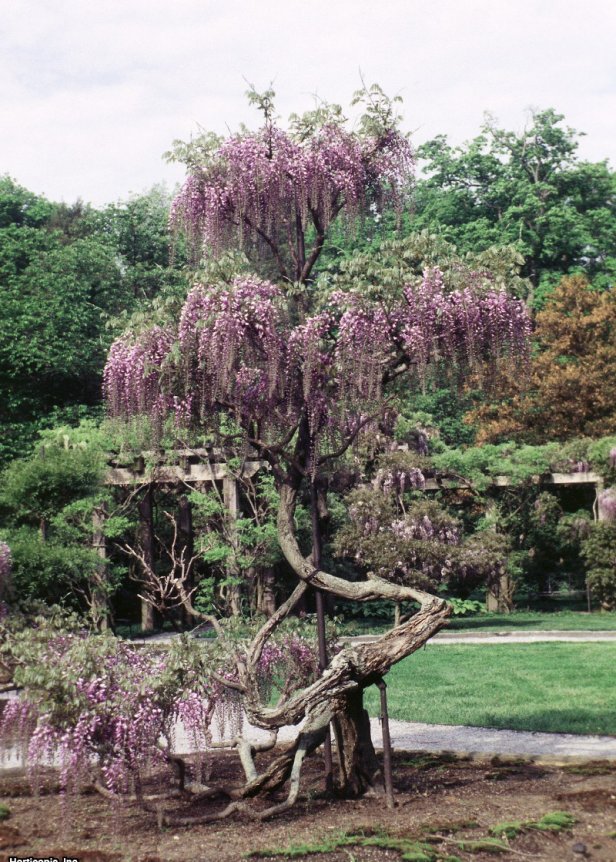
(461, 327)
(235, 349)
(231, 343)
(101, 705)
(110, 718)
(256, 182)
(133, 371)
(420, 527)
(290, 658)
(398, 479)
(418, 545)
(416, 542)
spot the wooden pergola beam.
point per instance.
(176, 474)
(588, 478)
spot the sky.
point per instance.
(92, 92)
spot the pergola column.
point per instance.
(99, 605)
(146, 533)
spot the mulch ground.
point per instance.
(445, 808)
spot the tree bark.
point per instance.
(338, 693)
(358, 765)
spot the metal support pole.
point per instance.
(320, 607)
(387, 770)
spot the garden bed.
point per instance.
(446, 808)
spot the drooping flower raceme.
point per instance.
(607, 504)
(256, 182)
(99, 704)
(236, 350)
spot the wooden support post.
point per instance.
(387, 769)
(146, 529)
(231, 500)
(267, 603)
(99, 607)
(185, 525)
(598, 509)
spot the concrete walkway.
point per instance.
(474, 741)
(506, 637)
(453, 637)
(413, 736)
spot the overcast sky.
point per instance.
(92, 92)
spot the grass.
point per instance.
(560, 621)
(413, 851)
(556, 821)
(552, 687)
(423, 849)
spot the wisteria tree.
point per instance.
(305, 374)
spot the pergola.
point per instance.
(195, 468)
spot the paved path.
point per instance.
(453, 637)
(507, 637)
(439, 738)
(414, 736)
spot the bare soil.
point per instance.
(441, 802)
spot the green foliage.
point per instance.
(526, 189)
(555, 821)
(35, 489)
(47, 504)
(48, 570)
(379, 272)
(5, 811)
(481, 464)
(233, 548)
(411, 849)
(599, 554)
(65, 273)
(466, 607)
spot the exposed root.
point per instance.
(100, 788)
(177, 821)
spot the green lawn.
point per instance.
(556, 687)
(536, 621)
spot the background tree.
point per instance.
(528, 189)
(572, 390)
(65, 272)
(47, 507)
